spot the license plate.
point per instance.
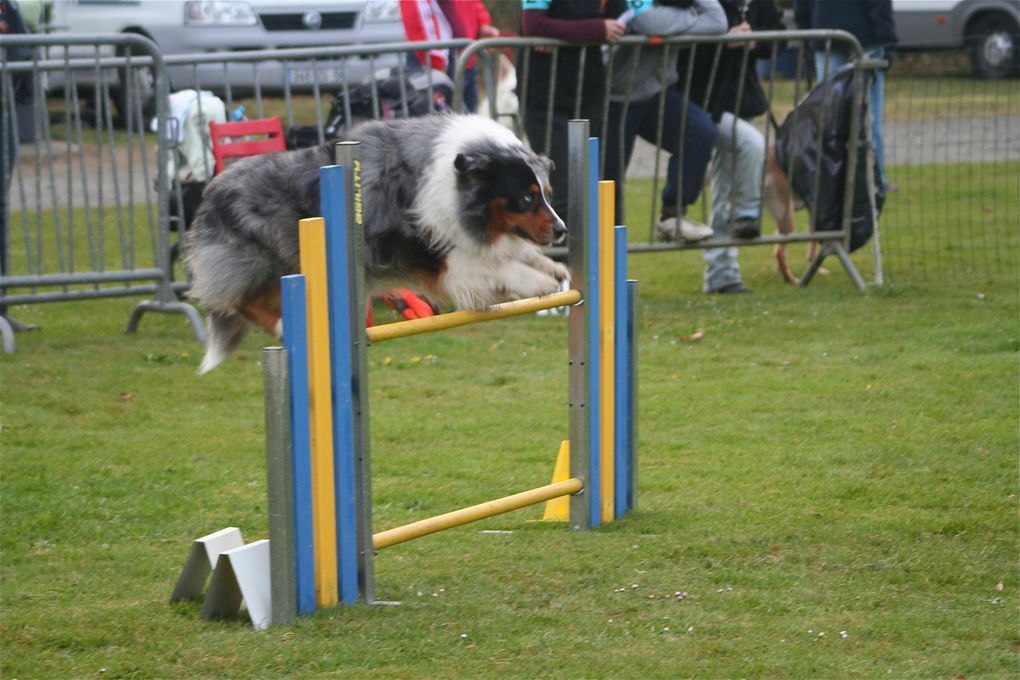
(324, 75)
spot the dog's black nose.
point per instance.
(559, 231)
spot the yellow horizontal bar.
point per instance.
(385, 539)
(430, 324)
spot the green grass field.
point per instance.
(829, 477)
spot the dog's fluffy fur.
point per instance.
(454, 206)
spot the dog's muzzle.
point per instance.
(559, 231)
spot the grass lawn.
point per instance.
(827, 478)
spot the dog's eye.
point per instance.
(527, 200)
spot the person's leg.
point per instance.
(736, 195)
(736, 177)
(471, 89)
(8, 151)
(837, 58)
(877, 97)
(470, 93)
(695, 151)
(615, 167)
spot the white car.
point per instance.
(212, 27)
(989, 29)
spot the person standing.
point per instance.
(576, 21)
(637, 86)
(871, 22)
(470, 19)
(22, 86)
(739, 156)
(439, 20)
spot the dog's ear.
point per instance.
(472, 167)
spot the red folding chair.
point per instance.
(241, 138)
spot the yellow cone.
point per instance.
(558, 509)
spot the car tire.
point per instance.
(994, 45)
(143, 88)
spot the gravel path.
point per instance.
(939, 141)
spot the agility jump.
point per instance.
(322, 545)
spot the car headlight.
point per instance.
(218, 13)
(382, 10)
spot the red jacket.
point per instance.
(434, 20)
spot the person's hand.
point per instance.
(488, 32)
(614, 30)
(742, 27)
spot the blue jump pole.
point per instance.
(333, 204)
(621, 407)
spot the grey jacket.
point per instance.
(705, 17)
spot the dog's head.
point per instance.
(507, 193)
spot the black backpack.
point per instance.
(830, 102)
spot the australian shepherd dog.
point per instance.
(454, 206)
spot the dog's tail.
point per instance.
(226, 331)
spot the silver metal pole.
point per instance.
(280, 483)
(578, 345)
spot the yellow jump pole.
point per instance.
(430, 324)
(312, 239)
(385, 539)
(607, 320)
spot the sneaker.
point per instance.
(735, 288)
(745, 228)
(666, 228)
(694, 231)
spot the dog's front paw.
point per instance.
(559, 271)
(555, 269)
(533, 286)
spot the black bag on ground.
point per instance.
(358, 104)
(798, 138)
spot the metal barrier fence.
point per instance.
(952, 146)
(952, 157)
(92, 206)
(83, 213)
(608, 107)
(91, 209)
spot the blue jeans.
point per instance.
(643, 120)
(876, 94)
(737, 165)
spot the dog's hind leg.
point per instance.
(266, 312)
(778, 200)
(226, 331)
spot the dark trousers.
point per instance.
(693, 154)
(535, 124)
(470, 92)
(8, 154)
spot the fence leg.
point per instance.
(7, 331)
(848, 265)
(166, 302)
(837, 249)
